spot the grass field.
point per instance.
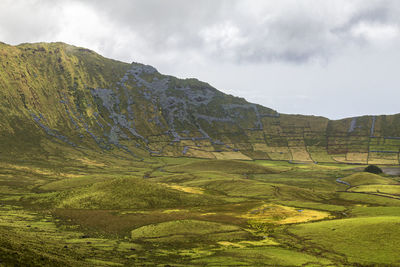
(107, 211)
(372, 240)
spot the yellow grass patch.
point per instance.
(89, 111)
(278, 214)
(278, 153)
(383, 161)
(70, 175)
(249, 243)
(264, 242)
(187, 143)
(231, 155)
(300, 154)
(277, 149)
(230, 244)
(357, 157)
(199, 154)
(318, 154)
(208, 213)
(27, 169)
(186, 189)
(260, 147)
(339, 158)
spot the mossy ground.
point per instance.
(107, 211)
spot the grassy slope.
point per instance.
(370, 240)
(380, 188)
(189, 231)
(54, 82)
(366, 178)
(37, 78)
(122, 193)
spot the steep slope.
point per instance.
(56, 98)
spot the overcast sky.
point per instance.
(335, 58)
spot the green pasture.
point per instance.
(105, 211)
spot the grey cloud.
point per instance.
(227, 30)
(28, 21)
(384, 13)
(294, 39)
(295, 33)
(159, 21)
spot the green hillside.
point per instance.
(366, 178)
(361, 240)
(79, 100)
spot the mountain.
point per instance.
(57, 99)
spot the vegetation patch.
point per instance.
(188, 230)
(365, 178)
(373, 169)
(262, 256)
(372, 240)
(147, 213)
(186, 189)
(278, 214)
(377, 188)
(131, 193)
(226, 166)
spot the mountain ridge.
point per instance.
(74, 97)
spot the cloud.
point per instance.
(28, 21)
(253, 31)
(375, 24)
(239, 31)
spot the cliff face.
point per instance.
(56, 98)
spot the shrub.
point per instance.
(373, 169)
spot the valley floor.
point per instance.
(107, 211)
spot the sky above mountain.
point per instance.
(335, 58)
